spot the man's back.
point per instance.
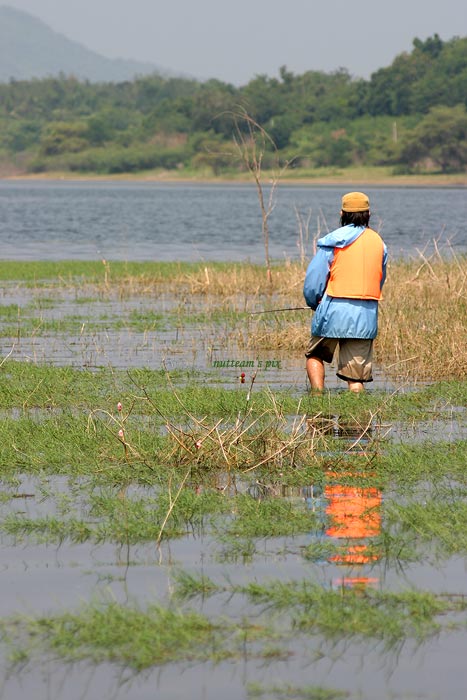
(357, 270)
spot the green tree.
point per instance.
(212, 151)
(263, 99)
(393, 90)
(20, 135)
(441, 137)
(103, 125)
(64, 137)
(209, 108)
(326, 119)
(445, 83)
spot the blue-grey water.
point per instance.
(191, 222)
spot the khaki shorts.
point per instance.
(355, 355)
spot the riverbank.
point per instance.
(358, 177)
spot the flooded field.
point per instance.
(171, 528)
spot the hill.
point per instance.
(30, 49)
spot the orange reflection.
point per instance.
(355, 582)
(355, 515)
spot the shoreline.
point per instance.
(350, 178)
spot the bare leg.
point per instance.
(356, 387)
(315, 371)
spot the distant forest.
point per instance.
(410, 116)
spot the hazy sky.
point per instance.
(234, 40)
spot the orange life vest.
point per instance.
(357, 270)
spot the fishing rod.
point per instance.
(274, 311)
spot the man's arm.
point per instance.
(385, 262)
(317, 276)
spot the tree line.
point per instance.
(410, 115)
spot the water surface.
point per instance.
(56, 220)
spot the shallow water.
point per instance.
(95, 342)
(49, 579)
(435, 673)
(46, 578)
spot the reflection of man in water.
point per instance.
(343, 286)
(355, 514)
(352, 512)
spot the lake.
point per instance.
(57, 220)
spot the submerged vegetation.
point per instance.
(160, 635)
(325, 493)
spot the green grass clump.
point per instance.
(189, 586)
(69, 444)
(142, 638)
(337, 613)
(270, 518)
(27, 384)
(442, 525)
(126, 636)
(131, 637)
(406, 465)
(66, 272)
(105, 517)
(350, 612)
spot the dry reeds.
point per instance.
(212, 280)
(423, 320)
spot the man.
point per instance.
(343, 286)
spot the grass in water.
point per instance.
(131, 637)
(336, 613)
(333, 613)
(142, 638)
(441, 524)
(270, 518)
(117, 518)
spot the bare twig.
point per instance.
(7, 356)
(252, 140)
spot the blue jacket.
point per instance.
(335, 317)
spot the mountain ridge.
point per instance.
(29, 49)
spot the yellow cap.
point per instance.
(355, 201)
